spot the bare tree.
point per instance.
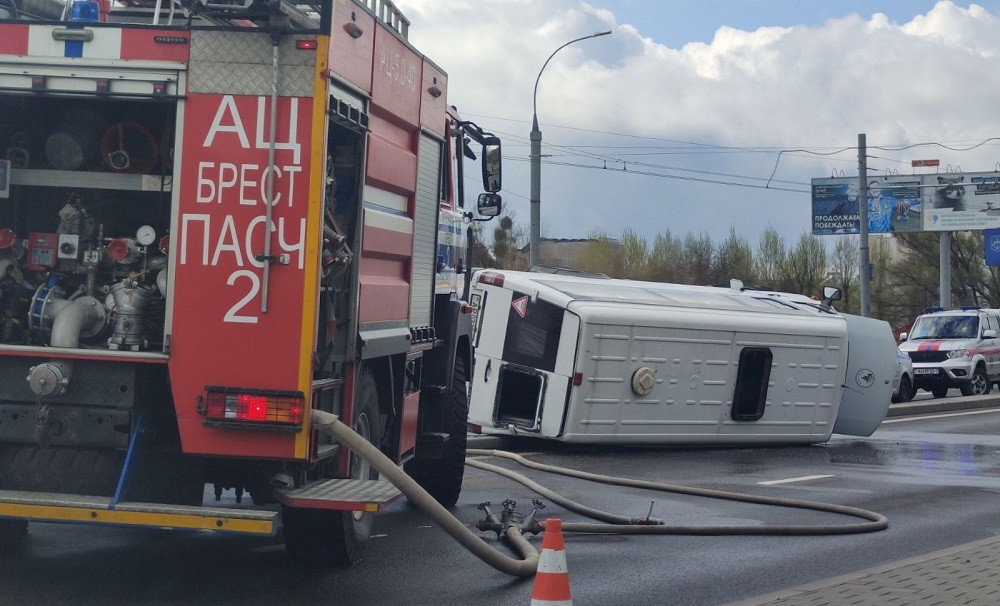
(665, 258)
(508, 239)
(733, 259)
(697, 258)
(844, 267)
(806, 265)
(770, 259)
(635, 256)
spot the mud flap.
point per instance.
(871, 365)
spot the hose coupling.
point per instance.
(492, 523)
(646, 522)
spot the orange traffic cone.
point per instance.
(552, 578)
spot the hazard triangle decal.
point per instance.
(520, 305)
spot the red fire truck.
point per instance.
(215, 216)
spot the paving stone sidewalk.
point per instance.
(967, 574)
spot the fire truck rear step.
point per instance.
(343, 495)
(52, 507)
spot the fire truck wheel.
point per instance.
(442, 478)
(12, 536)
(323, 538)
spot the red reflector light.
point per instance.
(577, 379)
(251, 408)
(232, 407)
(488, 277)
(476, 429)
(306, 44)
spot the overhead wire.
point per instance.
(592, 152)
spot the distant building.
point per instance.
(572, 253)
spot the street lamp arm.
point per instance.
(534, 98)
(535, 157)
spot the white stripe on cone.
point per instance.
(553, 562)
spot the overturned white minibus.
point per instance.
(598, 360)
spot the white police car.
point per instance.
(954, 348)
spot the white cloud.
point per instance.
(930, 79)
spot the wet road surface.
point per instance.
(937, 479)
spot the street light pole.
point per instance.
(536, 159)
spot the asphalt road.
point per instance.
(935, 476)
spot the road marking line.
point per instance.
(943, 415)
(799, 479)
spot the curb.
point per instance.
(944, 405)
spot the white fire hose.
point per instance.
(525, 567)
(615, 524)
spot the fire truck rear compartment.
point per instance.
(81, 229)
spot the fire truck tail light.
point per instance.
(306, 44)
(253, 409)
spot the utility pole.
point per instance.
(535, 157)
(865, 273)
(945, 269)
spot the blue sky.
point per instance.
(709, 115)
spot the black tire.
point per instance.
(323, 538)
(978, 385)
(905, 392)
(442, 478)
(13, 534)
(912, 394)
(939, 392)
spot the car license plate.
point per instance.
(925, 371)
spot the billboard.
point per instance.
(962, 201)
(937, 202)
(894, 204)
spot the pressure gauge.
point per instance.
(145, 235)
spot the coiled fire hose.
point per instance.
(615, 524)
(525, 567)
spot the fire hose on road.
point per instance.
(614, 524)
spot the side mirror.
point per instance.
(489, 205)
(830, 294)
(989, 333)
(903, 335)
(491, 165)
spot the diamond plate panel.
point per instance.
(239, 63)
(369, 491)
